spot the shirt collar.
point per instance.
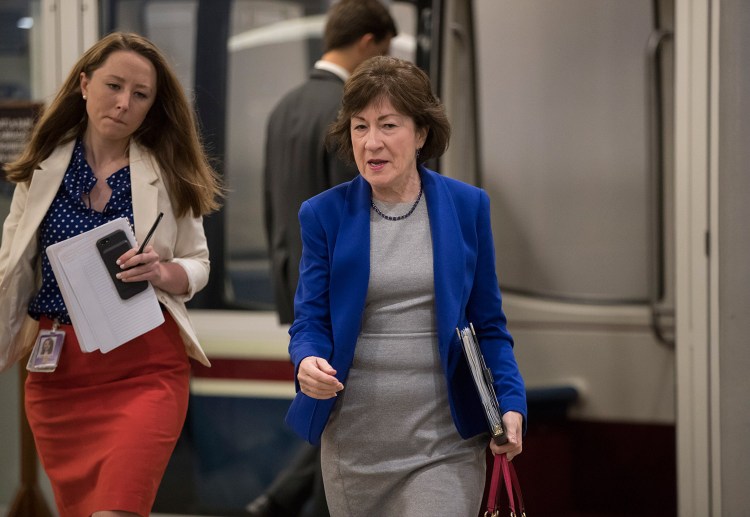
(335, 69)
(79, 178)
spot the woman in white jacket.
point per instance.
(119, 140)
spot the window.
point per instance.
(16, 107)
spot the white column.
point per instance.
(67, 28)
(696, 137)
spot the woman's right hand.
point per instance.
(316, 378)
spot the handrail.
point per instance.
(656, 173)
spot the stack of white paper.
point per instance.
(101, 319)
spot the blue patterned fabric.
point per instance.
(69, 216)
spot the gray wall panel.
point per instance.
(563, 118)
(734, 255)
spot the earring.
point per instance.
(418, 149)
(84, 96)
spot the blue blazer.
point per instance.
(334, 274)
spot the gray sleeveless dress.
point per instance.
(390, 447)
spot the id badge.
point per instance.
(46, 352)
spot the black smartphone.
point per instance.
(111, 247)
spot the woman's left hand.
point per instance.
(513, 423)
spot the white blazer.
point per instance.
(180, 240)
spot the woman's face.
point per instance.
(385, 144)
(119, 95)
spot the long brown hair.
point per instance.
(169, 131)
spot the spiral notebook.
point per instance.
(483, 382)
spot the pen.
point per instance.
(150, 233)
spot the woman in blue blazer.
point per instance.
(393, 262)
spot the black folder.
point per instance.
(483, 382)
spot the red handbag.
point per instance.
(504, 469)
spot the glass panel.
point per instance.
(16, 109)
(562, 90)
(272, 47)
(169, 24)
(15, 37)
(264, 34)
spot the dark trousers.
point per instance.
(298, 489)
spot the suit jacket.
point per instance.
(179, 240)
(333, 287)
(297, 167)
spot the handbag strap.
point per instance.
(517, 488)
(492, 495)
(501, 467)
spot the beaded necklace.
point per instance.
(400, 217)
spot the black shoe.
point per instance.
(263, 506)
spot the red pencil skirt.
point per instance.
(105, 425)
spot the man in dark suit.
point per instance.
(297, 167)
(297, 163)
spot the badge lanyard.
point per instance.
(46, 352)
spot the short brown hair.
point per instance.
(349, 20)
(408, 89)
